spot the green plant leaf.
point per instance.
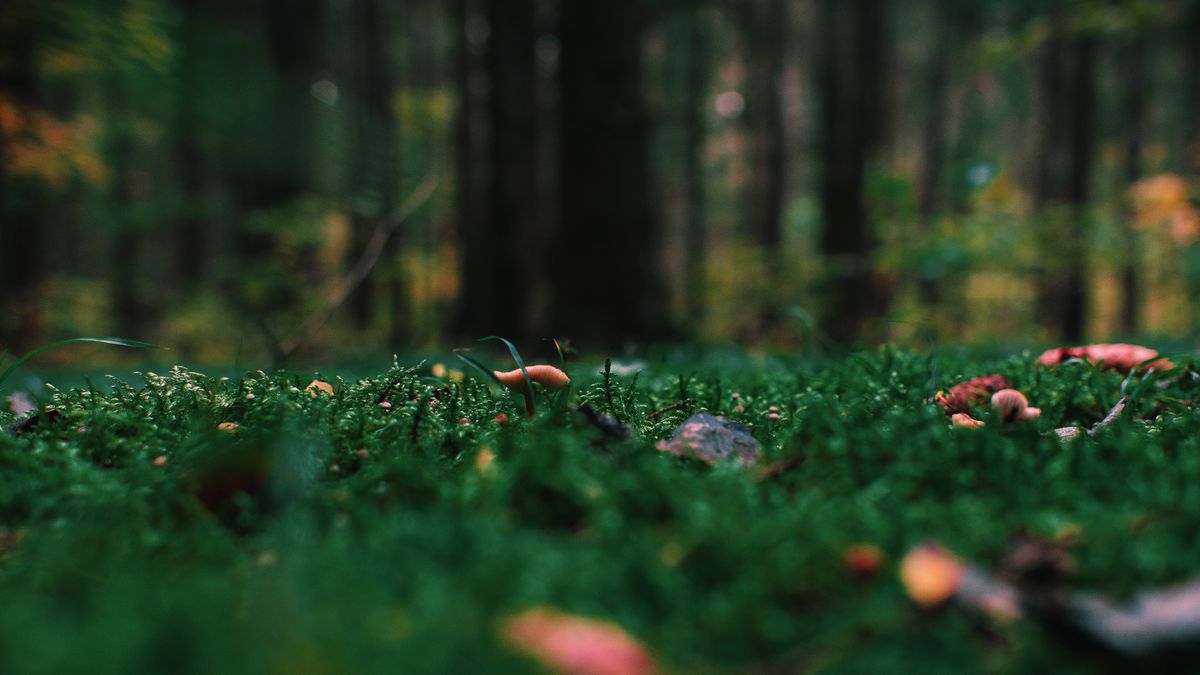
(120, 342)
(512, 349)
(477, 366)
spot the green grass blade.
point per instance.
(512, 349)
(562, 358)
(477, 366)
(120, 342)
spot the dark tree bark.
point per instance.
(1134, 95)
(470, 188)
(694, 135)
(294, 36)
(764, 27)
(852, 81)
(1068, 88)
(22, 220)
(128, 306)
(933, 135)
(607, 285)
(1191, 90)
(373, 139)
(191, 226)
(498, 284)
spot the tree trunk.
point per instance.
(1067, 100)
(852, 84)
(294, 37)
(1191, 91)
(470, 186)
(764, 26)
(605, 258)
(933, 137)
(497, 281)
(374, 138)
(22, 222)
(694, 135)
(1133, 75)
(191, 226)
(513, 154)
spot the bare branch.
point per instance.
(362, 269)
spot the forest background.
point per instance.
(284, 180)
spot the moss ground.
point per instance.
(333, 534)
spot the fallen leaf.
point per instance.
(576, 645)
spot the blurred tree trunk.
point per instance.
(606, 256)
(294, 37)
(764, 28)
(1191, 90)
(1067, 100)
(373, 152)
(497, 281)
(22, 221)
(191, 226)
(852, 81)
(933, 134)
(694, 137)
(128, 309)
(469, 169)
(1134, 94)
(512, 156)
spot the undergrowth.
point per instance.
(366, 531)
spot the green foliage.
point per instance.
(330, 532)
(120, 342)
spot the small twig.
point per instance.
(366, 262)
(1075, 432)
(1110, 417)
(781, 467)
(673, 406)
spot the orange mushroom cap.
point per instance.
(576, 645)
(548, 376)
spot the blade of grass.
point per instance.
(562, 358)
(512, 349)
(477, 366)
(120, 342)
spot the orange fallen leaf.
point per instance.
(930, 575)
(228, 426)
(575, 645)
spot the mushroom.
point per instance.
(548, 376)
(965, 421)
(1011, 405)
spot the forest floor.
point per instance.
(402, 522)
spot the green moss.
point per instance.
(333, 534)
